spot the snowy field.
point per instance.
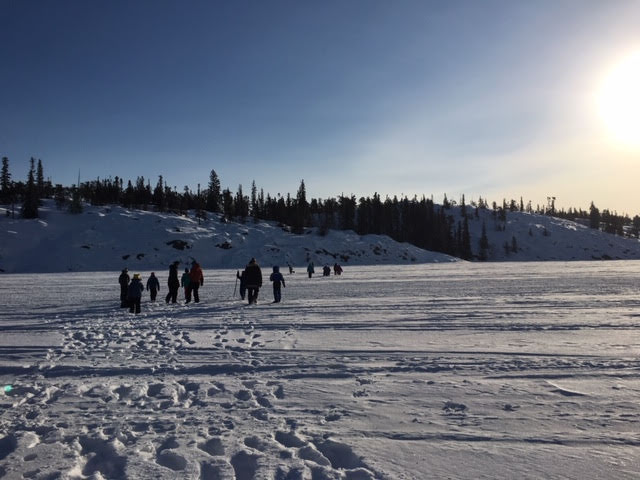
(510, 370)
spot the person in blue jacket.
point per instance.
(135, 293)
(153, 285)
(277, 279)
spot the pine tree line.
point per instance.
(418, 221)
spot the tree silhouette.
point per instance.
(30, 203)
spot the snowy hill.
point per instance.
(111, 237)
(543, 238)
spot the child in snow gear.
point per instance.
(243, 283)
(290, 269)
(337, 269)
(196, 280)
(123, 279)
(135, 293)
(173, 283)
(253, 280)
(326, 271)
(185, 282)
(310, 269)
(277, 278)
(153, 285)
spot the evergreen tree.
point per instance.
(201, 213)
(483, 254)
(129, 195)
(594, 217)
(514, 244)
(254, 201)
(40, 179)
(227, 203)
(465, 243)
(347, 207)
(5, 182)
(59, 196)
(158, 195)
(261, 204)
(241, 205)
(76, 204)
(30, 202)
(213, 193)
(635, 226)
(186, 201)
(301, 209)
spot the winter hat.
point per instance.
(136, 275)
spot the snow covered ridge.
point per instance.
(542, 238)
(112, 237)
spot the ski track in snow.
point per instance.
(502, 371)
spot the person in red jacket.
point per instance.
(196, 280)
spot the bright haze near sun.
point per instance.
(493, 98)
(619, 101)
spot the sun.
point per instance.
(619, 101)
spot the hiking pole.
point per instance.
(234, 288)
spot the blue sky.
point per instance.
(491, 98)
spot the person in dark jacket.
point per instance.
(277, 279)
(253, 279)
(311, 269)
(173, 283)
(135, 293)
(124, 287)
(337, 269)
(153, 285)
(185, 283)
(243, 283)
(196, 280)
(326, 271)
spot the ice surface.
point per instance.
(512, 370)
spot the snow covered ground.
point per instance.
(457, 370)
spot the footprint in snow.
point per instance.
(213, 447)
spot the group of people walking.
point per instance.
(251, 281)
(326, 270)
(131, 289)
(250, 278)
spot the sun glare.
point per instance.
(619, 101)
